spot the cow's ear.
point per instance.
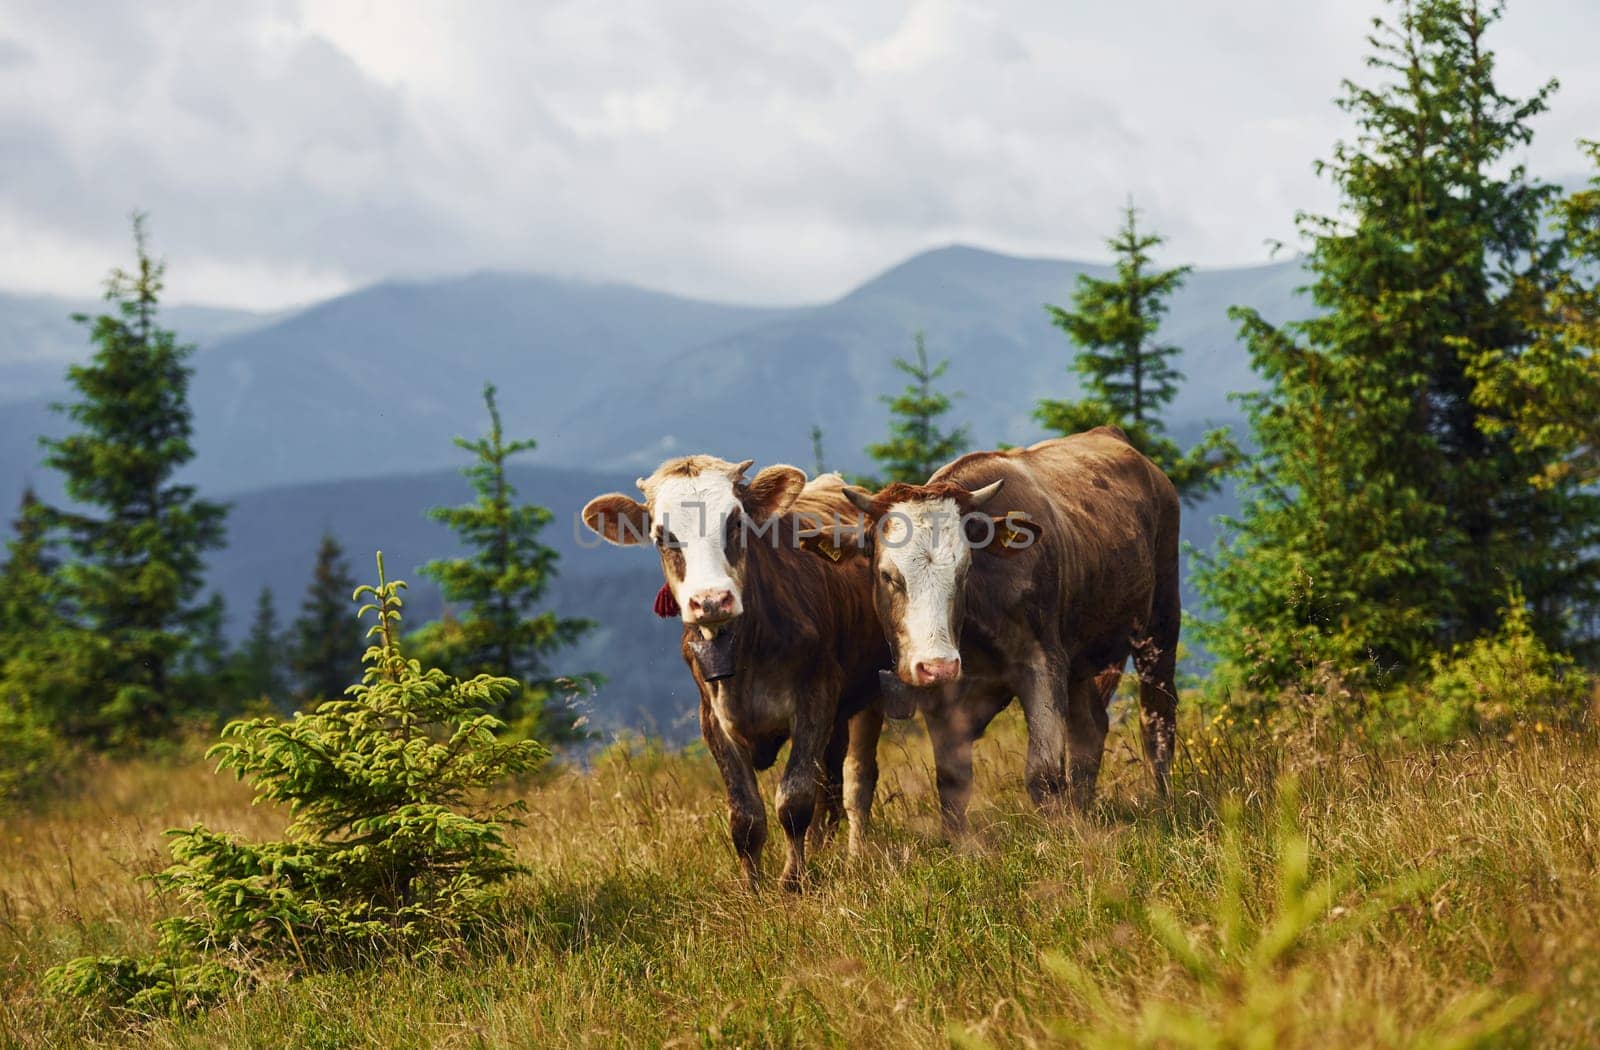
(1013, 534)
(773, 491)
(621, 519)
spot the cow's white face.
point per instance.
(924, 541)
(698, 511)
(922, 563)
(695, 521)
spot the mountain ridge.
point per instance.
(606, 374)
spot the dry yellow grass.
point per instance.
(632, 929)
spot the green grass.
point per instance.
(1451, 896)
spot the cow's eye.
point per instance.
(888, 578)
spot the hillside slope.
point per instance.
(378, 381)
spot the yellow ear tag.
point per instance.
(828, 550)
(1012, 536)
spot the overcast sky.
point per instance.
(755, 152)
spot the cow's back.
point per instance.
(824, 497)
(1109, 533)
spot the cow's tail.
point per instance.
(1155, 653)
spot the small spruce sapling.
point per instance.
(390, 846)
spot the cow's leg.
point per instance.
(1088, 720)
(830, 785)
(953, 726)
(797, 788)
(1155, 658)
(950, 733)
(747, 817)
(1043, 692)
(861, 773)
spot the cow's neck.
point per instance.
(767, 624)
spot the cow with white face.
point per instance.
(778, 632)
(1030, 573)
(925, 539)
(695, 520)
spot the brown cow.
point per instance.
(1071, 567)
(779, 633)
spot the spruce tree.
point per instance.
(29, 604)
(1547, 394)
(917, 446)
(396, 844)
(1128, 376)
(324, 647)
(43, 670)
(1545, 397)
(135, 537)
(496, 628)
(203, 677)
(30, 629)
(260, 661)
(1386, 515)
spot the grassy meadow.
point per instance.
(1452, 900)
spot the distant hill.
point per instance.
(758, 391)
(377, 382)
(39, 338)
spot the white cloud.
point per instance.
(922, 38)
(710, 147)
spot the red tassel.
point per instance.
(666, 605)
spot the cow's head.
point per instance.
(698, 511)
(924, 539)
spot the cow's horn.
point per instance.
(860, 497)
(639, 484)
(738, 471)
(985, 494)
